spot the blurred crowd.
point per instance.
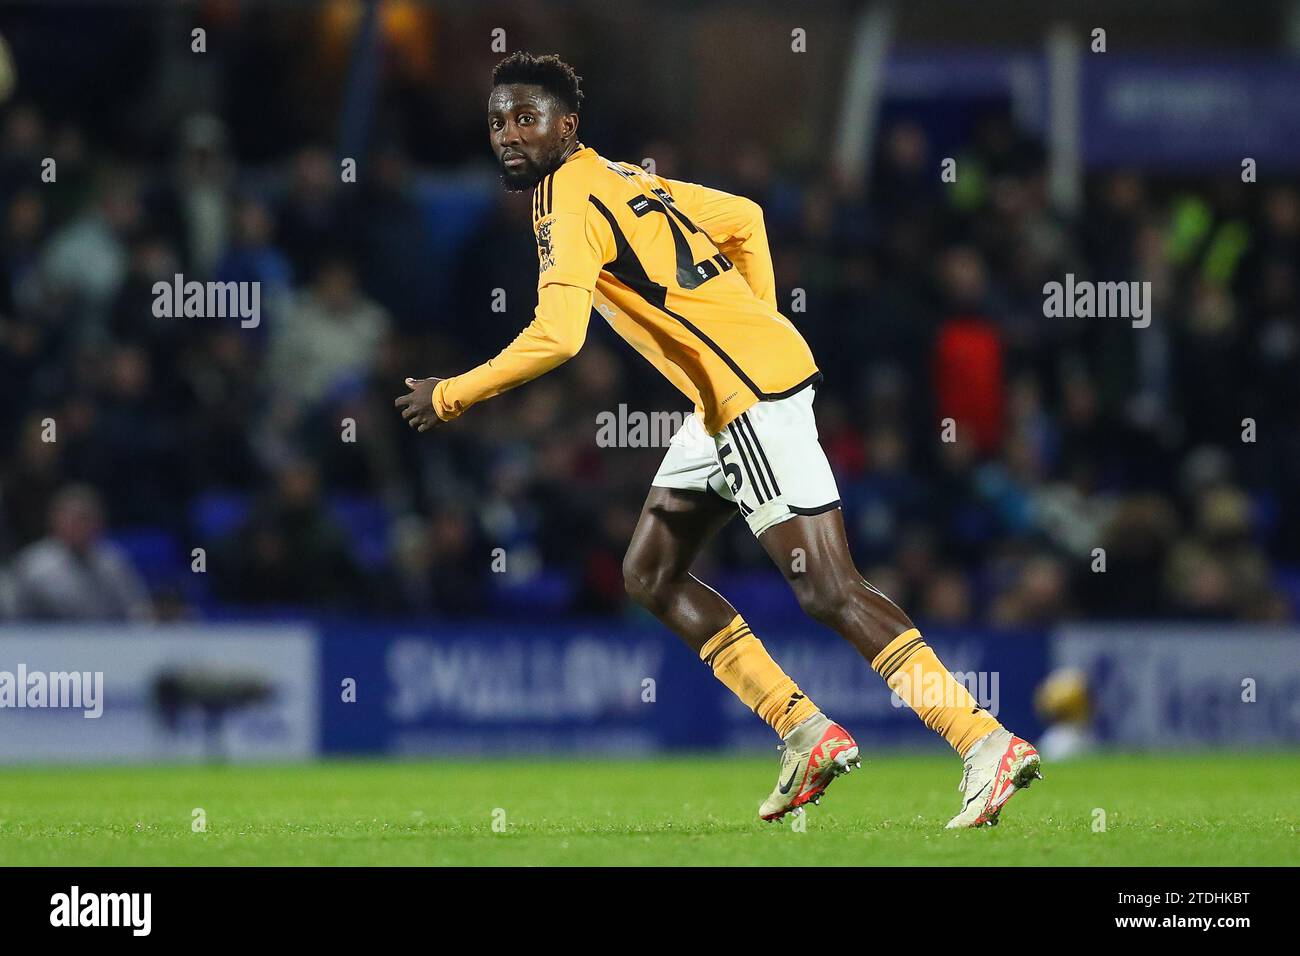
(168, 467)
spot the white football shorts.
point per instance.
(768, 461)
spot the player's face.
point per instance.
(529, 132)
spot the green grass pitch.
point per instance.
(1216, 809)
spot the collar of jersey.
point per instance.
(581, 150)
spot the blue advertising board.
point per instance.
(1204, 112)
(622, 689)
(1137, 110)
(564, 686)
(1187, 685)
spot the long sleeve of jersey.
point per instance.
(735, 224)
(572, 246)
(555, 335)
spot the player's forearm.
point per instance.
(553, 337)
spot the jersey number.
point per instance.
(735, 478)
(690, 274)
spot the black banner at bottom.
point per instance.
(330, 906)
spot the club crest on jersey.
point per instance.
(544, 251)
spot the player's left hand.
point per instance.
(417, 406)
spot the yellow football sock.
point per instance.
(913, 671)
(739, 660)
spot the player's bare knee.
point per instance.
(633, 583)
(643, 580)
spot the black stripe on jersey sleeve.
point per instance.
(543, 197)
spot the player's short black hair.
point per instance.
(547, 71)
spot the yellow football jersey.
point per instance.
(681, 271)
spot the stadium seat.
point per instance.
(545, 592)
(217, 514)
(1287, 580)
(156, 553)
(763, 595)
(365, 522)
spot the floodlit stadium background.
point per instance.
(466, 586)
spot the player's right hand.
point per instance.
(417, 405)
